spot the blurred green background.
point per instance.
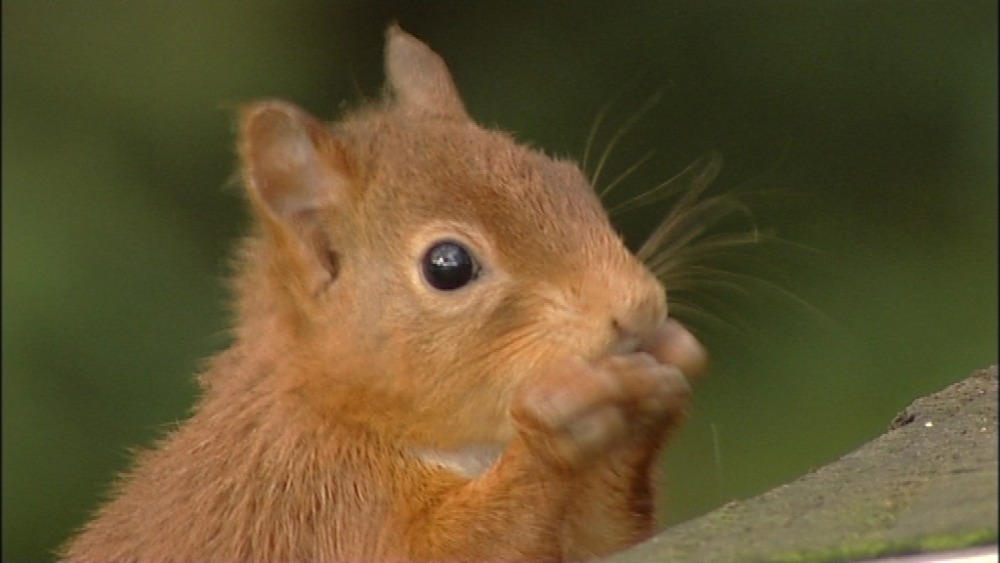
(870, 126)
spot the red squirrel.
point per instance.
(442, 351)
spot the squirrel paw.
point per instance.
(581, 410)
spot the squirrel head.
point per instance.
(411, 268)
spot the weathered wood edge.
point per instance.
(928, 484)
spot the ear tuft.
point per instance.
(293, 168)
(419, 78)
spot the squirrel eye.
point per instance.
(448, 265)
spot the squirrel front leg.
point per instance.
(569, 422)
(515, 510)
(616, 506)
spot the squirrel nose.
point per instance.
(640, 311)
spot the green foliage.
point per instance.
(870, 127)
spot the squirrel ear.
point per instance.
(418, 77)
(292, 165)
(293, 168)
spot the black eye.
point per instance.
(448, 265)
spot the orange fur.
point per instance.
(362, 414)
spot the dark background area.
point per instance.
(863, 133)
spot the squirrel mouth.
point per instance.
(627, 344)
(468, 461)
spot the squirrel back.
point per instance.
(442, 351)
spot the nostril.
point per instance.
(638, 310)
(627, 341)
(640, 316)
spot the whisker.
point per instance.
(730, 282)
(683, 226)
(708, 247)
(643, 110)
(598, 120)
(788, 294)
(702, 176)
(701, 247)
(707, 166)
(621, 177)
(660, 191)
(693, 316)
(521, 340)
(717, 456)
(683, 310)
(697, 279)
